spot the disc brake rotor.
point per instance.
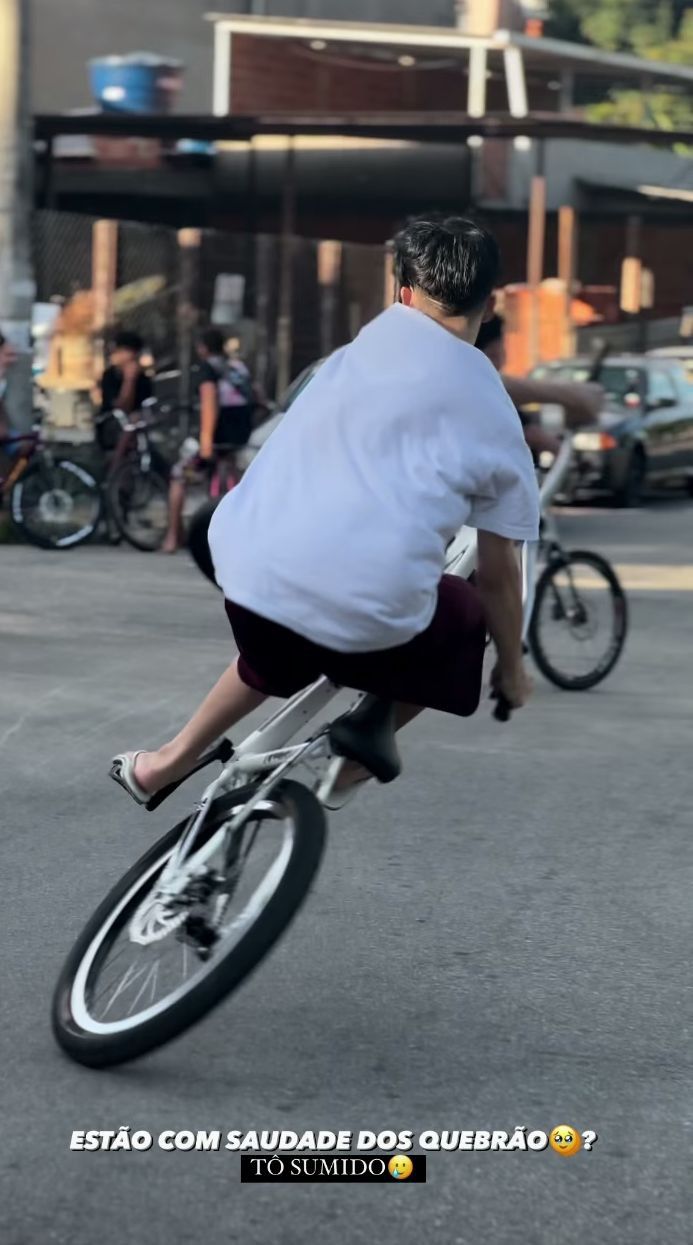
(155, 920)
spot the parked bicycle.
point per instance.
(53, 502)
(135, 487)
(56, 503)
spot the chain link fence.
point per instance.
(167, 285)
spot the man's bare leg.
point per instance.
(229, 700)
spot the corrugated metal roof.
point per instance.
(553, 53)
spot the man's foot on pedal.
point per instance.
(142, 774)
(349, 783)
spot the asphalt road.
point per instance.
(500, 939)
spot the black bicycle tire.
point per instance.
(34, 538)
(581, 683)
(114, 508)
(198, 542)
(101, 1051)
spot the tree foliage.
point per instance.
(657, 30)
(621, 25)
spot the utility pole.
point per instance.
(17, 289)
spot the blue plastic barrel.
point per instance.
(137, 83)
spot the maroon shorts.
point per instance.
(439, 669)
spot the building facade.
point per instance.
(60, 82)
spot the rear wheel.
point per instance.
(148, 967)
(138, 502)
(579, 620)
(56, 505)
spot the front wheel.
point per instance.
(138, 502)
(56, 505)
(148, 967)
(579, 620)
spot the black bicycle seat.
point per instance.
(367, 735)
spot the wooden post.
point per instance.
(535, 258)
(631, 278)
(104, 274)
(567, 271)
(286, 272)
(389, 288)
(355, 318)
(329, 270)
(537, 232)
(189, 241)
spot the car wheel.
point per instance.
(631, 491)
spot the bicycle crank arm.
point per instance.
(223, 752)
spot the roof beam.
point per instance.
(446, 127)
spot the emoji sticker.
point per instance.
(565, 1140)
(400, 1167)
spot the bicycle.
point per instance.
(203, 906)
(53, 502)
(577, 621)
(137, 480)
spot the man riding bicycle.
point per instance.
(331, 550)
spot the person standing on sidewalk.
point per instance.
(227, 403)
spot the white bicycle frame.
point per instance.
(266, 753)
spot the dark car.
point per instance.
(644, 435)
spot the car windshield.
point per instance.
(616, 380)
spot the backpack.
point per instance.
(234, 377)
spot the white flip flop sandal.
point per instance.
(338, 800)
(122, 771)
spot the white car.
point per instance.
(259, 435)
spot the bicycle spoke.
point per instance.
(163, 941)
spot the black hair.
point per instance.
(3, 339)
(491, 331)
(213, 341)
(128, 341)
(453, 261)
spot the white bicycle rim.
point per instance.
(230, 937)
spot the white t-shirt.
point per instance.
(339, 528)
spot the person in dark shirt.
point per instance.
(227, 402)
(226, 396)
(125, 386)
